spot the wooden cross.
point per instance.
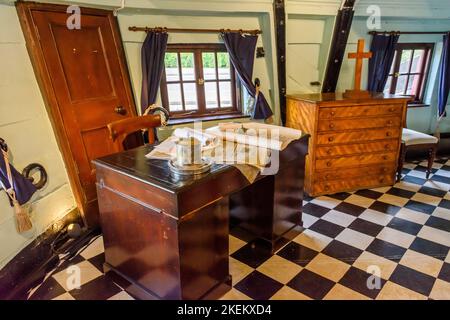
(359, 56)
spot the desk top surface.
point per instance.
(155, 172)
(339, 96)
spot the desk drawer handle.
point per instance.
(387, 147)
(327, 188)
(331, 125)
(381, 180)
(329, 151)
(391, 109)
(385, 157)
(332, 113)
(389, 123)
(329, 164)
(328, 176)
(330, 139)
(388, 134)
(384, 170)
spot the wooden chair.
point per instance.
(414, 140)
(120, 131)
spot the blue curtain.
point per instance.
(23, 187)
(152, 55)
(444, 76)
(241, 49)
(383, 50)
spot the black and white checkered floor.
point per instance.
(402, 231)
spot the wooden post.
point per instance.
(280, 30)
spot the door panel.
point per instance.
(87, 75)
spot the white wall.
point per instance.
(25, 126)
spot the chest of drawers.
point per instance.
(354, 143)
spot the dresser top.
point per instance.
(339, 97)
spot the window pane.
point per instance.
(190, 96)
(387, 88)
(393, 63)
(174, 92)
(171, 63)
(413, 85)
(225, 94)
(209, 65)
(223, 60)
(401, 85)
(211, 95)
(418, 61)
(405, 61)
(187, 66)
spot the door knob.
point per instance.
(120, 110)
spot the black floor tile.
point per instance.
(424, 169)
(340, 196)
(350, 208)
(315, 210)
(327, 228)
(253, 255)
(366, 227)
(50, 289)
(101, 288)
(438, 223)
(311, 284)
(439, 178)
(414, 180)
(445, 204)
(433, 192)
(384, 207)
(98, 261)
(258, 286)
(297, 253)
(445, 272)
(405, 226)
(369, 194)
(342, 251)
(412, 279)
(429, 248)
(386, 250)
(401, 193)
(420, 206)
(358, 281)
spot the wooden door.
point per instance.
(87, 86)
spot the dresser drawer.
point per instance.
(330, 187)
(377, 170)
(360, 111)
(357, 148)
(360, 160)
(367, 123)
(357, 136)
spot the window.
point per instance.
(199, 80)
(409, 70)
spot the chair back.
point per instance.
(120, 130)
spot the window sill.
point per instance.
(177, 121)
(417, 105)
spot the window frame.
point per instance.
(424, 72)
(197, 49)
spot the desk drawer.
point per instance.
(353, 124)
(360, 111)
(350, 173)
(330, 187)
(357, 148)
(357, 136)
(360, 160)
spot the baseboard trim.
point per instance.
(29, 265)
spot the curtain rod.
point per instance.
(407, 32)
(173, 30)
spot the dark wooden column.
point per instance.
(342, 27)
(280, 29)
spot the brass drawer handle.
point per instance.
(329, 151)
(384, 170)
(390, 122)
(387, 147)
(329, 164)
(327, 188)
(391, 109)
(330, 139)
(388, 134)
(332, 113)
(381, 180)
(331, 125)
(328, 176)
(385, 157)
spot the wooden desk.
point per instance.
(169, 237)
